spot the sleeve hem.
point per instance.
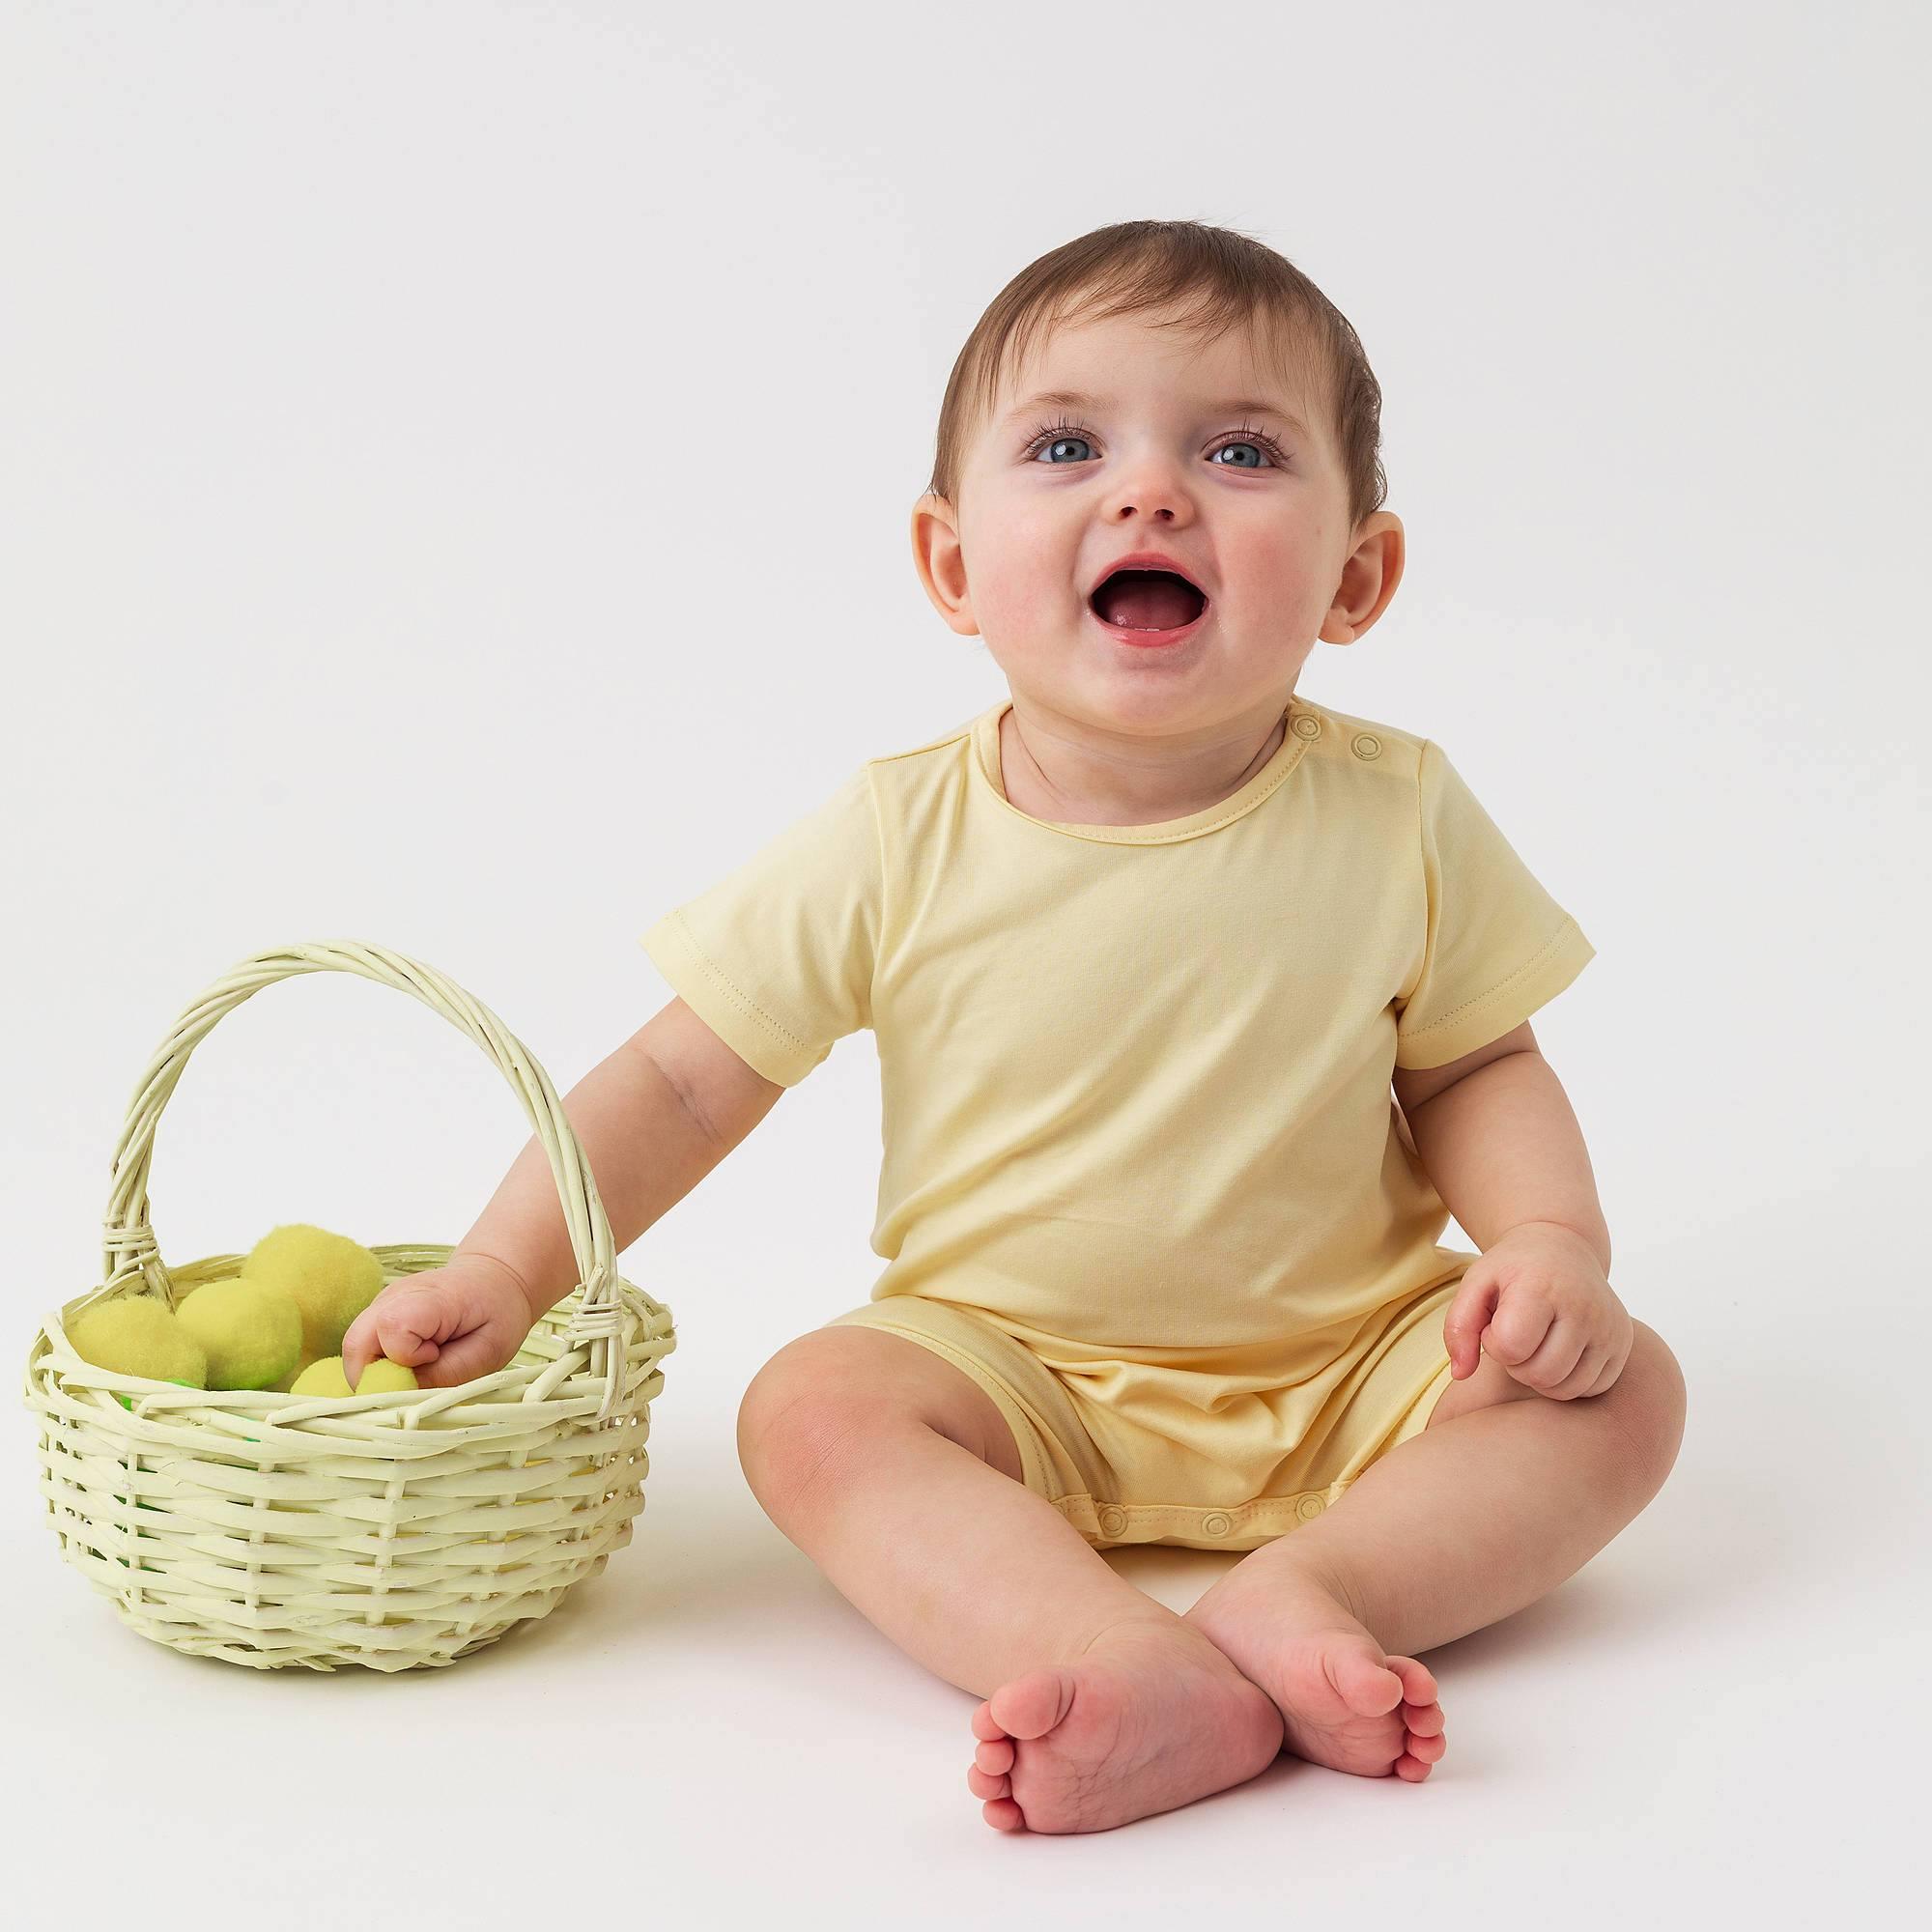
(1477, 1022)
(766, 1046)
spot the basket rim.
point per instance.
(500, 1396)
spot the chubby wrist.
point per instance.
(1596, 1240)
(511, 1278)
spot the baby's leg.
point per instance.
(896, 1472)
(1504, 1494)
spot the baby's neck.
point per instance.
(1028, 787)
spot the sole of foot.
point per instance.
(1150, 1716)
(1344, 1701)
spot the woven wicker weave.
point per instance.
(382, 1530)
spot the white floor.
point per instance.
(1724, 1714)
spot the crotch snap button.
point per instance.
(1306, 727)
(1308, 1508)
(1113, 1520)
(1367, 744)
(1215, 1524)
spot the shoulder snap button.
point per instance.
(1306, 727)
(1367, 744)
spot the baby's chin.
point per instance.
(1104, 698)
(1099, 656)
(1201, 689)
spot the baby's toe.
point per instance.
(1034, 1704)
(984, 1784)
(1424, 1720)
(1410, 1768)
(1002, 1814)
(984, 1724)
(1426, 1747)
(1418, 1686)
(996, 1755)
(1363, 1683)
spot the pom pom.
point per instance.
(287, 1383)
(138, 1335)
(252, 1331)
(323, 1377)
(384, 1376)
(381, 1377)
(333, 1279)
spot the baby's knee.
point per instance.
(1652, 1406)
(803, 1409)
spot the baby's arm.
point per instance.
(1496, 1135)
(654, 1119)
(1503, 1148)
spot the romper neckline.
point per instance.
(1303, 727)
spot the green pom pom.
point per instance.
(137, 1335)
(252, 1331)
(331, 1278)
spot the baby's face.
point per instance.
(1205, 453)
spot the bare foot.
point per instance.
(1344, 1701)
(1149, 1718)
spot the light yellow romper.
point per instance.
(1144, 1176)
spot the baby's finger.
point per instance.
(480, 1353)
(1469, 1313)
(410, 1325)
(1555, 1357)
(1517, 1330)
(1606, 1376)
(360, 1346)
(362, 1338)
(1584, 1377)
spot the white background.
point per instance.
(455, 470)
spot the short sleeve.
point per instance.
(1497, 946)
(777, 957)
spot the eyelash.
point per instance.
(1048, 433)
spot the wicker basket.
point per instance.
(384, 1530)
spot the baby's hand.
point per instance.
(1538, 1302)
(451, 1324)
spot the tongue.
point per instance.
(1147, 601)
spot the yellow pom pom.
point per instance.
(384, 1376)
(287, 1383)
(333, 1279)
(323, 1377)
(252, 1333)
(138, 1335)
(326, 1376)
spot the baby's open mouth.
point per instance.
(1147, 599)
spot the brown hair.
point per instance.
(1156, 265)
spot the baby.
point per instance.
(1199, 1006)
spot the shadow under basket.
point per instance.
(391, 1531)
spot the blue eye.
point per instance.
(1050, 437)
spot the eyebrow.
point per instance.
(1075, 399)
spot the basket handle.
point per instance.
(600, 1320)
